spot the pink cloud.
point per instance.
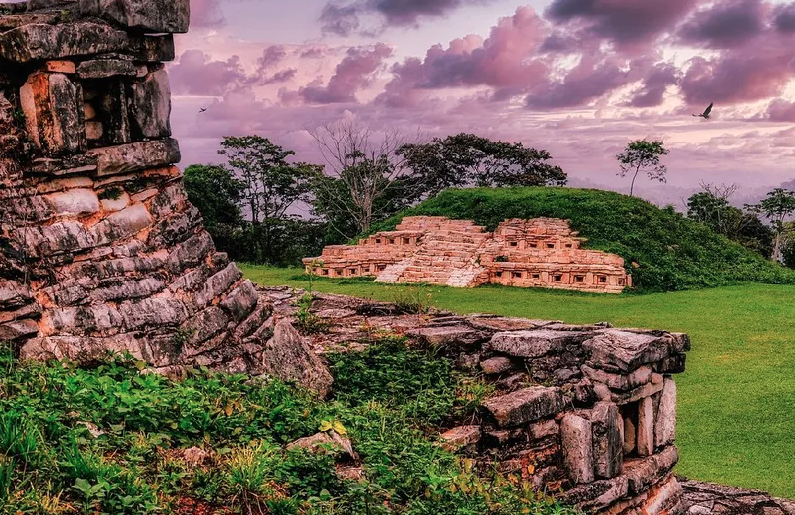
(206, 13)
(754, 71)
(651, 93)
(505, 60)
(196, 74)
(781, 110)
(354, 73)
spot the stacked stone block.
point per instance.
(546, 252)
(541, 252)
(101, 249)
(585, 412)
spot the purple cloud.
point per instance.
(195, 74)
(781, 110)
(627, 22)
(724, 25)
(784, 18)
(506, 60)
(206, 13)
(654, 85)
(343, 18)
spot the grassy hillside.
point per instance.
(671, 251)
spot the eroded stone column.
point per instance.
(101, 249)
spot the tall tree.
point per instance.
(270, 185)
(712, 208)
(215, 193)
(642, 155)
(467, 159)
(777, 205)
(366, 178)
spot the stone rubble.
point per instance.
(707, 499)
(542, 252)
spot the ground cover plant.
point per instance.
(736, 396)
(662, 249)
(111, 440)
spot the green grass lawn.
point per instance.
(737, 397)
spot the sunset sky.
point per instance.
(579, 78)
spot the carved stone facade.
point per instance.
(101, 250)
(542, 252)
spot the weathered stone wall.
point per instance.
(101, 249)
(542, 252)
(584, 412)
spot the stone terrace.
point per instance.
(541, 252)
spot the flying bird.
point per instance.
(203, 109)
(705, 114)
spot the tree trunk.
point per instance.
(632, 186)
(777, 248)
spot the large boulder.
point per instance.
(289, 358)
(40, 41)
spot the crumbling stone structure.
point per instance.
(584, 412)
(101, 250)
(542, 252)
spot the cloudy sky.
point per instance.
(579, 78)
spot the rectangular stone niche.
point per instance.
(106, 103)
(638, 428)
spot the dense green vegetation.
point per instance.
(736, 398)
(669, 251)
(109, 440)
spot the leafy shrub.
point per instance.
(107, 441)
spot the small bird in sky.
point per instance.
(705, 114)
(203, 109)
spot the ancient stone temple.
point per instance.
(542, 252)
(101, 249)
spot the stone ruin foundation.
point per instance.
(586, 412)
(542, 252)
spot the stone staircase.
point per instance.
(447, 255)
(467, 277)
(392, 273)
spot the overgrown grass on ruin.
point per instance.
(388, 400)
(737, 396)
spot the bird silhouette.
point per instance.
(203, 109)
(706, 112)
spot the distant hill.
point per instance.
(671, 251)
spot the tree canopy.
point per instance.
(470, 160)
(642, 155)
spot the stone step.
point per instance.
(466, 278)
(392, 273)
